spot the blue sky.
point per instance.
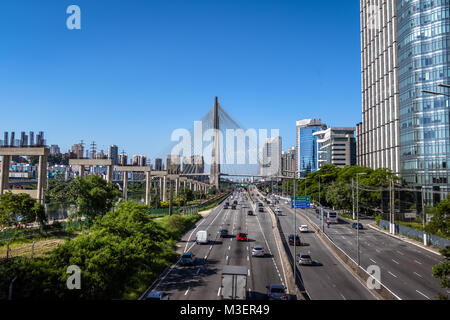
(139, 69)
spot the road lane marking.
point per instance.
(417, 274)
(342, 296)
(395, 261)
(248, 272)
(198, 271)
(187, 291)
(422, 294)
(392, 274)
(226, 258)
(400, 253)
(373, 261)
(248, 258)
(417, 262)
(218, 292)
(206, 256)
(229, 247)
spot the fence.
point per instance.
(416, 234)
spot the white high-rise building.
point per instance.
(270, 164)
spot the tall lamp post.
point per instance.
(357, 215)
(321, 209)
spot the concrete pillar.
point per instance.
(109, 170)
(170, 197)
(184, 184)
(4, 177)
(42, 177)
(81, 171)
(164, 189)
(125, 186)
(177, 187)
(160, 188)
(148, 188)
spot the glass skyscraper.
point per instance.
(405, 51)
(306, 145)
(423, 38)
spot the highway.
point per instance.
(203, 281)
(328, 279)
(406, 269)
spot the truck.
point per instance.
(202, 237)
(234, 283)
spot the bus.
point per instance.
(330, 216)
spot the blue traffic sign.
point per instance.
(301, 205)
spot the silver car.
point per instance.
(276, 292)
(258, 251)
(304, 259)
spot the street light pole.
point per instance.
(357, 215)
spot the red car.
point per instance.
(242, 237)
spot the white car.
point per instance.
(258, 251)
(304, 259)
(304, 228)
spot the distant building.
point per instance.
(123, 159)
(54, 150)
(270, 164)
(288, 162)
(173, 164)
(336, 146)
(139, 160)
(306, 145)
(113, 153)
(78, 150)
(158, 165)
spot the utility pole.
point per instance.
(392, 210)
(424, 220)
(353, 198)
(295, 227)
(357, 215)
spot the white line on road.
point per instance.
(226, 258)
(373, 261)
(206, 256)
(417, 262)
(392, 274)
(395, 261)
(417, 274)
(187, 291)
(229, 247)
(422, 294)
(248, 258)
(198, 270)
(400, 253)
(218, 292)
(248, 273)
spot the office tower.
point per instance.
(5, 139)
(13, 141)
(270, 164)
(31, 138)
(139, 160)
(405, 51)
(336, 146)
(306, 145)
(78, 150)
(123, 159)
(173, 164)
(158, 164)
(54, 149)
(113, 153)
(378, 133)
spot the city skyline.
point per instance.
(85, 88)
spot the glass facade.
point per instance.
(424, 55)
(307, 160)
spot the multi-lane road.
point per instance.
(203, 280)
(406, 269)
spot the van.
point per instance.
(202, 237)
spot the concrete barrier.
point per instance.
(383, 293)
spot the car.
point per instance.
(297, 240)
(276, 292)
(261, 209)
(260, 204)
(250, 213)
(242, 237)
(304, 228)
(187, 259)
(224, 233)
(278, 212)
(227, 204)
(235, 202)
(258, 251)
(233, 207)
(157, 295)
(225, 207)
(304, 259)
(357, 225)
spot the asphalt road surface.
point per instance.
(203, 280)
(406, 269)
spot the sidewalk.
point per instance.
(405, 239)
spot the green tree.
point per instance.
(61, 192)
(20, 208)
(442, 270)
(440, 222)
(95, 196)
